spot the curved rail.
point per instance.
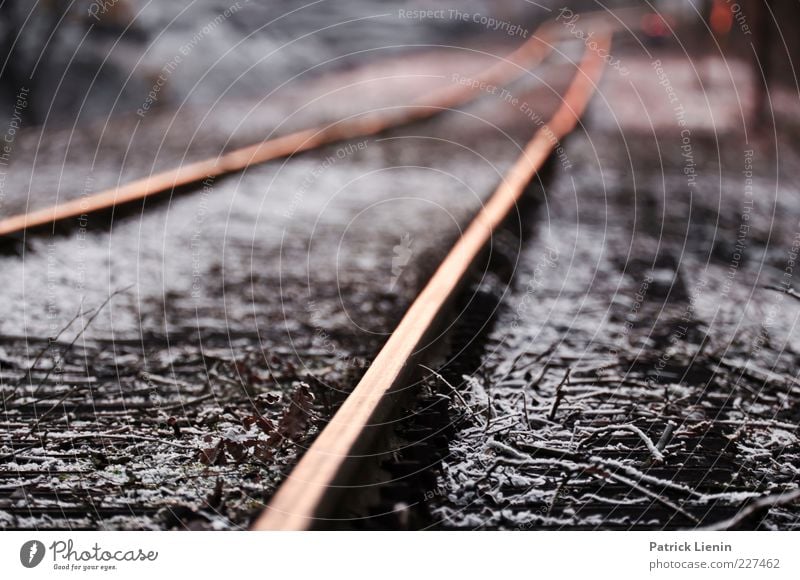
(508, 69)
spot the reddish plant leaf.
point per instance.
(236, 450)
(263, 451)
(214, 455)
(262, 422)
(297, 419)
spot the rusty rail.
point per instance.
(505, 71)
(309, 490)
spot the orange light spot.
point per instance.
(654, 25)
(721, 18)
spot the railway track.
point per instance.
(623, 441)
(310, 490)
(601, 486)
(89, 393)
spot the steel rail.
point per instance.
(310, 489)
(502, 73)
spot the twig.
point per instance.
(182, 404)
(513, 366)
(547, 352)
(452, 388)
(538, 380)
(788, 290)
(536, 449)
(754, 508)
(602, 473)
(41, 353)
(118, 437)
(19, 450)
(653, 449)
(559, 395)
(489, 409)
(640, 475)
(573, 461)
(659, 498)
(525, 409)
(560, 487)
(738, 433)
(666, 436)
(94, 315)
(55, 405)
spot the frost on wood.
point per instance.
(627, 383)
(121, 438)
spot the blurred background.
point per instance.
(184, 316)
(82, 59)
